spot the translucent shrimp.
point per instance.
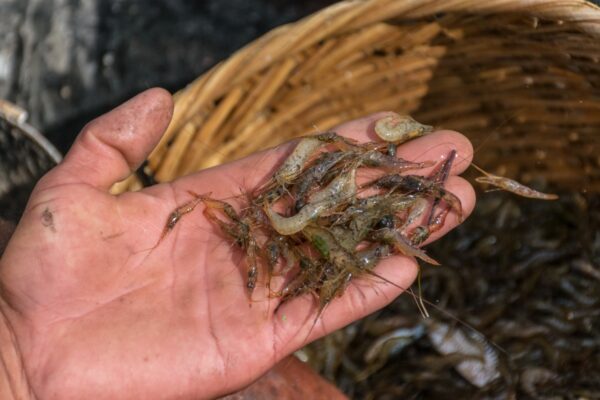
(512, 186)
(340, 189)
(400, 128)
(295, 162)
(423, 232)
(292, 166)
(176, 215)
(377, 159)
(402, 245)
(297, 222)
(420, 185)
(314, 175)
(369, 258)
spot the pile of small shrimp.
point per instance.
(314, 225)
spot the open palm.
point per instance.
(102, 309)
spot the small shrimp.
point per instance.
(342, 187)
(278, 247)
(377, 159)
(251, 259)
(314, 175)
(478, 361)
(176, 215)
(305, 281)
(294, 164)
(237, 230)
(331, 249)
(402, 245)
(240, 231)
(415, 211)
(421, 185)
(365, 220)
(422, 233)
(397, 129)
(512, 186)
(294, 224)
(440, 177)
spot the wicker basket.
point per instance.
(25, 155)
(521, 78)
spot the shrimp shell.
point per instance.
(295, 223)
(403, 245)
(342, 187)
(515, 187)
(296, 161)
(400, 128)
(293, 164)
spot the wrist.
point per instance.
(13, 379)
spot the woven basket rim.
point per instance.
(16, 117)
(349, 12)
(203, 107)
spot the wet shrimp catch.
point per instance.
(312, 223)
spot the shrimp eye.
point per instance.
(299, 205)
(304, 263)
(386, 222)
(412, 183)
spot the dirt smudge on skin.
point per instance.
(48, 219)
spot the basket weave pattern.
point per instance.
(520, 78)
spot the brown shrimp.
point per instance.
(278, 247)
(306, 280)
(415, 211)
(176, 215)
(512, 186)
(376, 159)
(423, 232)
(369, 258)
(419, 185)
(440, 177)
(239, 229)
(342, 187)
(367, 217)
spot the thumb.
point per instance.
(110, 147)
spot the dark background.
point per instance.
(67, 61)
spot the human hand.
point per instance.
(99, 310)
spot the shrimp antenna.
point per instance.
(440, 310)
(480, 169)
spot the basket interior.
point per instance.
(524, 89)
